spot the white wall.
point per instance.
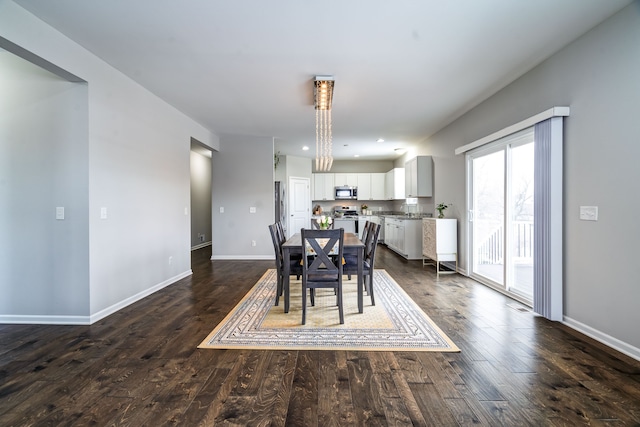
(44, 262)
(597, 76)
(355, 166)
(299, 167)
(243, 178)
(138, 165)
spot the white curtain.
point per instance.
(547, 256)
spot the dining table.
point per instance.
(293, 246)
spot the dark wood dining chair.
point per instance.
(351, 261)
(365, 230)
(321, 265)
(295, 266)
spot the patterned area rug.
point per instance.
(395, 323)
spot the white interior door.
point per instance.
(299, 205)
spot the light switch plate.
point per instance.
(589, 213)
(221, 209)
(103, 213)
(252, 209)
(60, 212)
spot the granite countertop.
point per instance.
(408, 216)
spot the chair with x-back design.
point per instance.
(322, 265)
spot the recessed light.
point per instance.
(380, 140)
(305, 148)
(400, 150)
(356, 155)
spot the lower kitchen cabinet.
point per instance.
(349, 225)
(404, 236)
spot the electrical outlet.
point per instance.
(170, 260)
(221, 209)
(253, 243)
(589, 213)
(60, 212)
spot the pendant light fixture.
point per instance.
(322, 98)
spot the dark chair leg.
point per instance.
(304, 304)
(279, 289)
(373, 300)
(340, 310)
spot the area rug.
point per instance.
(395, 323)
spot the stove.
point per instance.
(346, 211)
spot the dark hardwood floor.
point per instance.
(140, 366)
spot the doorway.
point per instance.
(201, 198)
(299, 205)
(501, 215)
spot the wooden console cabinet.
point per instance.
(440, 243)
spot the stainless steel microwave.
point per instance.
(346, 193)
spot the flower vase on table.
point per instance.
(325, 222)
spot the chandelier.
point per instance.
(322, 97)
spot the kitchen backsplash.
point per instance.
(379, 206)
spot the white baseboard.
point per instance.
(243, 257)
(200, 246)
(88, 320)
(605, 339)
(22, 319)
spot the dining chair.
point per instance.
(295, 266)
(365, 230)
(321, 265)
(280, 228)
(351, 261)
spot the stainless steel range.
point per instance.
(346, 217)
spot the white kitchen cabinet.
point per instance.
(323, 186)
(440, 243)
(394, 184)
(371, 186)
(346, 179)
(403, 236)
(419, 177)
(377, 186)
(364, 186)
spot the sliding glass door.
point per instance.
(501, 214)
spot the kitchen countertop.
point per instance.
(395, 216)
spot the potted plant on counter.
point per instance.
(441, 207)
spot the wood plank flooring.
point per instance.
(140, 366)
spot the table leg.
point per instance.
(286, 258)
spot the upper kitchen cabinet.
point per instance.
(371, 186)
(346, 179)
(419, 177)
(394, 184)
(323, 186)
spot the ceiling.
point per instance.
(403, 69)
